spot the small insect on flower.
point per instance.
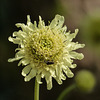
(46, 51)
(48, 62)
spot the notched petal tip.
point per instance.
(14, 59)
(73, 66)
(15, 34)
(10, 39)
(41, 23)
(75, 55)
(81, 56)
(26, 79)
(57, 22)
(38, 78)
(26, 70)
(70, 37)
(59, 17)
(14, 40)
(23, 74)
(28, 18)
(10, 60)
(70, 74)
(82, 45)
(49, 86)
(19, 24)
(40, 18)
(76, 30)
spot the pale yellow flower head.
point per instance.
(46, 51)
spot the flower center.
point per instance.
(45, 43)
(45, 47)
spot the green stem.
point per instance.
(36, 90)
(66, 91)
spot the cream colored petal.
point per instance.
(14, 40)
(64, 29)
(24, 27)
(33, 65)
(41, 23)
(72, 66)
(38, 78)
(58, 71)
(52, 71)
(28, 19)
(14, 59)
(58, 79)
(40, 70)
(68, 72)
(15, 34)
(58, 74)
(49, 85)
(73, 46)
(49, 81)
(24, 62)
(29, 22)
(57, 22)
(43, 74)
(70, 37)
(26, 70)
(48, 78)
(20, 53)
(31, 75)
(76, 55)
(35, 25)
(17, 49)
(20, 34)
(63, 77)
(77, 46)
(22, 45)
(46, 75)
(67, 34)
(68, 62)
(20, 62)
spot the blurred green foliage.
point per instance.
(90, 28)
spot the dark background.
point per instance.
(81, 14)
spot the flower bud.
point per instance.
(85, 81)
